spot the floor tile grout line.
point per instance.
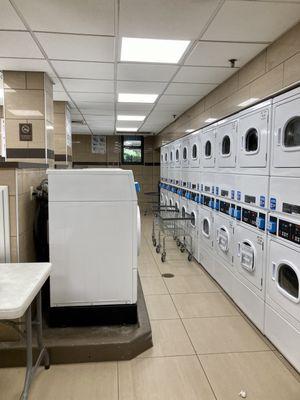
(118, 381)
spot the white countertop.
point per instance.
(19, 284)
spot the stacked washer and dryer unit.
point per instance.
(240, 180)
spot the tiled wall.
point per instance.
(275, 68)
(147, 174)
(28, 98)
(62, 135)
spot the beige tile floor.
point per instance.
(204, 348)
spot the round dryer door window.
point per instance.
(171, 156)
(184, 154)
(223, 239)
(226, 145)
(177, 155)
(206, 227)
(194, 151)
(207, 150)
(193, 219)
(247, 252)
(251, 141)
(288, 281)
(291, 136)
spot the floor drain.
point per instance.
(167, 275)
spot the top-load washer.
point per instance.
(194, 160)
(208, 150)
(226, 143)
(285, 157)
(282, 313)
(253, 148)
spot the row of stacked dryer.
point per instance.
(240, 180)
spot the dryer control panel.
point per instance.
(254, 218)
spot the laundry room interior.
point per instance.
(150, 199)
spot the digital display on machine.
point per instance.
(224, 207)
(224, 193)
(290, 208)
(194, 186)
(206, 200)
(249, 216)
(289, 231)
(207, 189)
(250, 199)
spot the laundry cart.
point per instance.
(94, 235)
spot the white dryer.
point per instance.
(178, 159)
(208, 151)
(282, 314)
(253, 149)
(185, 162)
(226, 144)
(194, 160)
(172, 163)
(193, 211)
(252, 190)
(225, 186)
(224, 246)
(250, 265)
(286, 134)
(162, 165)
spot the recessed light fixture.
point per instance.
(120, 129)
(131, 117)
(137, 98)
(248, 102)
(209, 120)
(153, 50)
(189, 130)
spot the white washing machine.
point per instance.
(286, 134)
(285, 195)
(162, 165)
(250, 264)
(193, 210)
(282, 313)
(185, 176)
(252, 190)
(206, 234)
(177, 166)
(208, 148)
(226, 145)
(172, 163)
(253, 148)
(224, 246)
(225, 186)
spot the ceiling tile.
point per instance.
(129, 124)
(103, 131)
(252, 21)
(168, 19)
(173, 109)
(14, 64)
(75, 16)
(173, 99)
(99, 119)
(77, 47)
(86, 70)
(93, 97)
(18, 44)
(140, 87)
(203, 74)
(57, 86)
(133, 108)
(8, 17)
(89, 85)
(218, 53)
(145, 72)
(200, 89)
(95, 108)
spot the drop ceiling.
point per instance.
(78, 43)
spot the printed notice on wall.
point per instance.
(98, 144)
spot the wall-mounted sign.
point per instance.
(98, 144)
(25, 132)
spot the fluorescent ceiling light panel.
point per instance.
(131, 117)
(153, 50)
(248, 102)
(137, 98)
(119, 129)
(209, 120)
(189, 130)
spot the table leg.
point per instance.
(43, 353)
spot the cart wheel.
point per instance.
(158, 249)
(182, 249)
(190, 257)
(174, 237)
(154, 242)
(163, 257)
(178, 242)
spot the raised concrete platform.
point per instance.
(88, 344)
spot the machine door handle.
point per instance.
(239, 249)
(273, 270)
(279, 137)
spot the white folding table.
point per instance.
(20, 284)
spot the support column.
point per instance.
(28, 115)
(62, 135)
